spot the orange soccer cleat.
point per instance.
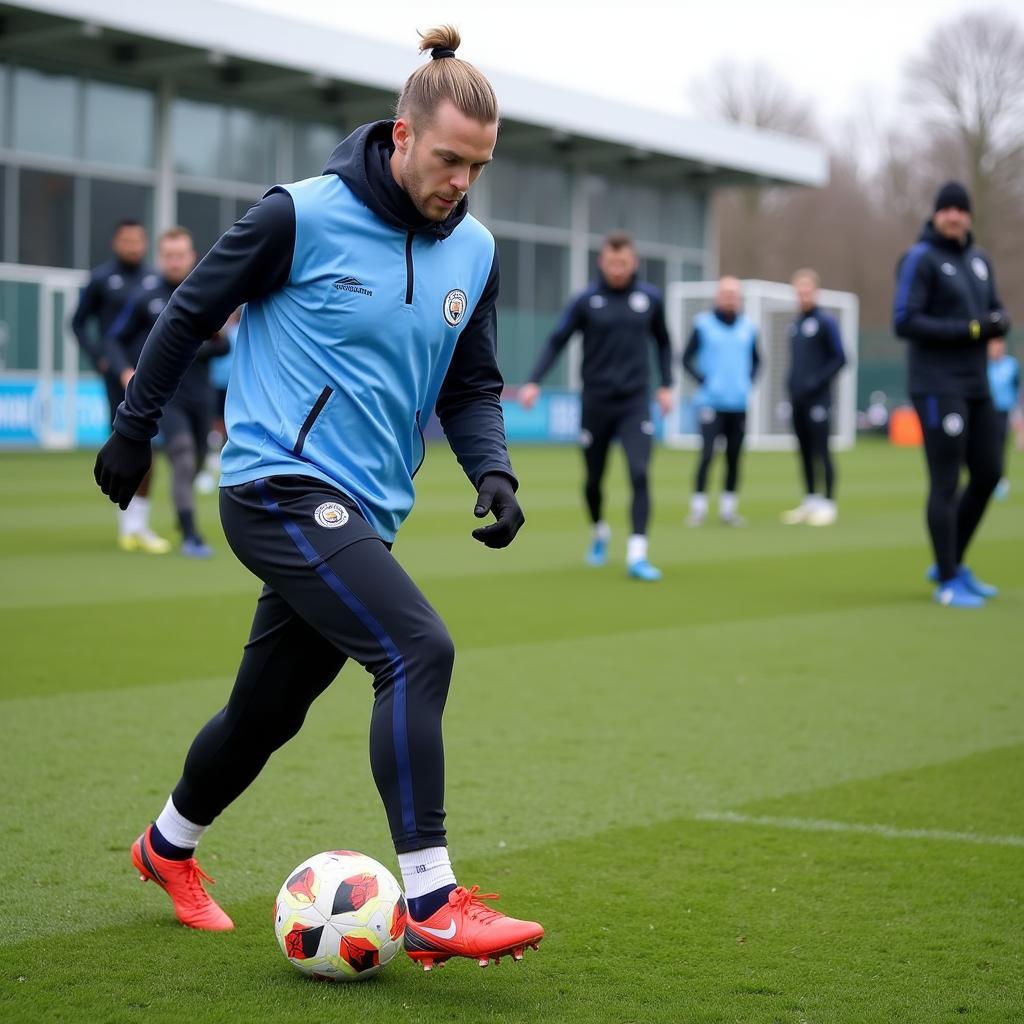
(466, 926)
(182, 880)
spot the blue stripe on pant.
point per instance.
(331, 594)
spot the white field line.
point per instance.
(887, 831)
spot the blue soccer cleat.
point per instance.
(195, 547)
(597, 553)
(969, 580)
(643, 570)
(955, 594)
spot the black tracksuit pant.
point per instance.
(811, 424)
(333, 592)
(629, 419)
(958, 432)
(733, 427)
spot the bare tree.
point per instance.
(968, 89)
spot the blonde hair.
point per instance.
(811, 275)
(446, 77)
(175, 231)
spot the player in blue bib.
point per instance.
(721, 356)
(369, 297)
(1004, 383)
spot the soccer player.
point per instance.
(185, 424)
(816, 357)
(947, 308)
(101, 301)
(370, 300)
(1004, 383)
(721, 356)
(616, 314)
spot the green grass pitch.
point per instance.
(779, 787)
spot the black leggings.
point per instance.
(811, 424)
(629, 419)
(958, 432)
(733, 427)
(333, 592)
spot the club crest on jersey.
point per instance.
(980, 268)
(331, 515)
(809, 328)
(953, 424)
(948, 269)
(598, 302)
(115, 282)
(455, 304)
(156, 306)
(150, 281)
(639, 302)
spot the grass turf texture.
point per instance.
(641, 767)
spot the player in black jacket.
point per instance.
(102, 300)
(816, 357)
(185, 424)
(947, 308)
(618, 315)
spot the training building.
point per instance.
(186, 112)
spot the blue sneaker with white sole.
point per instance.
(597, 553)
(955, 594)
(643, 570)
(969, 580)
(195, 547)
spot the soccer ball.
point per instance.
(340, 916)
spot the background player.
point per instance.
(1004, 383)
(816, 357)
(324, 437)
(102, 300)
(617, 315)
(186, 420)
(722, 357)
(947, 308)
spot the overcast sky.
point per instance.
(846, 55)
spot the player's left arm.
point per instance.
(755, 359)
(659, 331)
(469, 410)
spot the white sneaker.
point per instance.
(795, 516)
(824, 513)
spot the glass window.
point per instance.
(45, 119)
(253, 140)
(3, 213)
(685, 219)
(46, 216)
(109, 203)
(530, 193)
(198, 138)
(550, 277)
(119, 124)
(201, 214)
(314, 143)
(654, 270)
(693, 272)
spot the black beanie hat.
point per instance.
(953, 194)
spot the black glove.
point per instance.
(496, 494)
(995, 325)
(121, 465)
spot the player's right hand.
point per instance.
(995, 325)
(121, 465)
(528, 395)
(126, 376)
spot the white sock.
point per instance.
(602, 531)
(636, 548)
(425, 871)
(699, 503)
(727, 504)
(136, 516)
(178, 830)
(122, 522)
(812, 501)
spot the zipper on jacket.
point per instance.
(408, 271)
(423, 444)
(307, 426)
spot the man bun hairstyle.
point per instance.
(446, 77)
